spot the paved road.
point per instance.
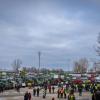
(13, 95)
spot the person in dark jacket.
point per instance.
(49, 87)
(53, 89)
(26, 96)
(38, 92)
(34, 92)
(93, 95)
(1, 88)
(80, 87)
(29, 96)
(96, 95)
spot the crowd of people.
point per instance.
(63, 91)
(93, 88)
(67, 91)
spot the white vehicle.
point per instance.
(23, 85)
(97, 79)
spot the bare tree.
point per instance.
(81, 66)
(98, 45)
(76, 67)
(97, 64)
(16, 65)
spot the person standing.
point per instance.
(80, 88)
(62, 92)
(96, 95)
(71, 95)
(29, 96)
(53, 89)
(1, 88)
(49, 87)
(58, 92)
(26, 96)
(65, 93)
(18, 87)
(93, 95)
(38, 92)
(34, 91)
(44, 93)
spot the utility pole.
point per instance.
(39, 54)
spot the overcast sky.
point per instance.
(63, 30)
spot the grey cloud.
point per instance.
(59, 34)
